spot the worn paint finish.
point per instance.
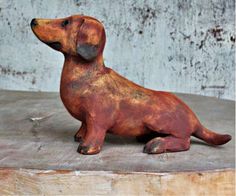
(182, 46)
(107, 102)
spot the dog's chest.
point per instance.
(73, 95)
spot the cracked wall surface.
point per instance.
(174, 45)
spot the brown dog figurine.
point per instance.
(107, 102)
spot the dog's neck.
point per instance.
(77, 69)
(76, 62)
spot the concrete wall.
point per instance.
(173, 45)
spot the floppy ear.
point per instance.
(89, 39)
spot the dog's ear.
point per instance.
(90, 39)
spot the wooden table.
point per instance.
(38, 154)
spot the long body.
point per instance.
(127, 106)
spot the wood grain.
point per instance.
(59, 182)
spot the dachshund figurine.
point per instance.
(104, 101)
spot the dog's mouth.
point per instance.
(54, 45)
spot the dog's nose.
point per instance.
(33, 23)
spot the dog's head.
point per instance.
(74, 35)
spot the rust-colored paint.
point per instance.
(107, 102)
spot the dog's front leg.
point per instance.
(79, 136)
(93, 140)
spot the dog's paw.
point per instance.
(155, 146)
(88, 150)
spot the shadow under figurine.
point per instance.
(107, 102)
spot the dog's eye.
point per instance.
(65, 22)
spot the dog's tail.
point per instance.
(211, 137)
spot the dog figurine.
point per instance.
(106, 102)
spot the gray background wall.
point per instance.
(173, 45)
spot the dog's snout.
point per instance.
(33, 22)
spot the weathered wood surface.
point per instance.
(36, 142)
(38, 182)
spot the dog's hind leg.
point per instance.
(80, 134)
(171, 143)
(148, 136)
